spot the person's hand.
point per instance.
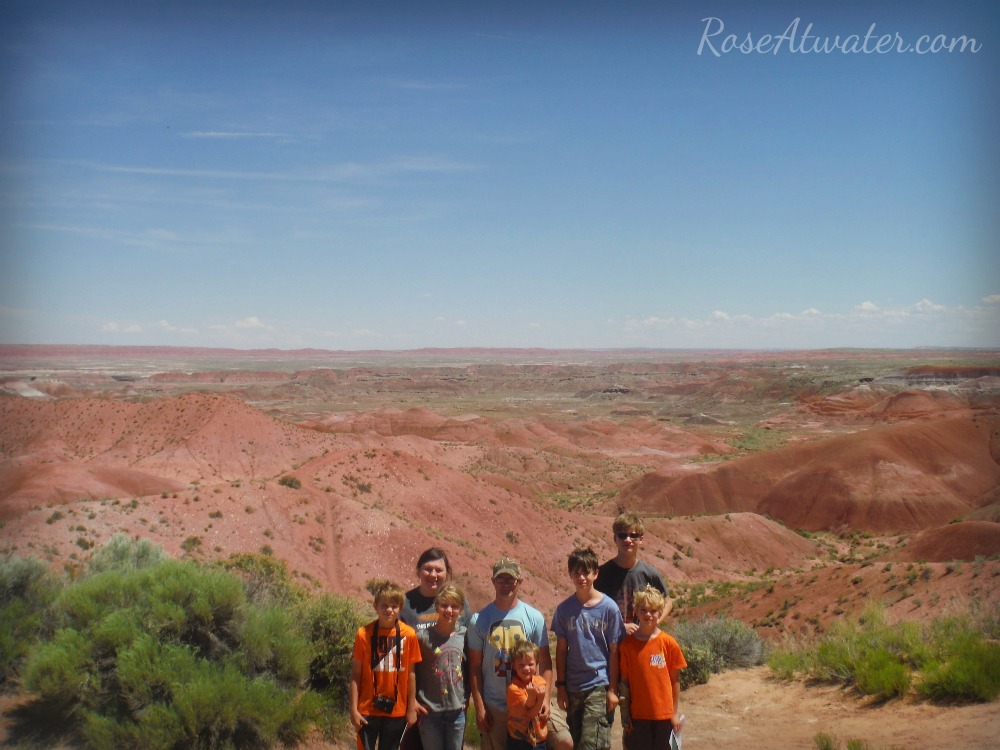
(411, 715)
(631, 627)
(562, 697)
(484, 721)
(612, 700)
(543, 710)
(676, 723)
(531, 691)
(358, 721)
(422, 710)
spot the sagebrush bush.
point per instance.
(716, 644)
(27, 589)
(266, 579)
(969, 671)
(330, 623)
(172, 655)
(946, 659)
(124, 554)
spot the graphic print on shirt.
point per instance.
(448, 667)
(504, 635)
(586, 624)
(385, 646)
(658, 661)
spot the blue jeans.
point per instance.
(442, 730)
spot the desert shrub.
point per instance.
(266, 579)
(715, 644)
(948, 658)
(969, 670)
(122, 553)
(27, 588)
(171, 655)
(330, 623)
(289, 481)
(702, 663)
(881, 674)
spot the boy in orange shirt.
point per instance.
(525, 696)
(650, 670)
(383, 685)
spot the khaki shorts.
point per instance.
(558, 738)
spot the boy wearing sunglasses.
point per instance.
(626, 574)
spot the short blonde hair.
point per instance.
(450, 594)
(385, 590)
(522, 649)
(649, 598)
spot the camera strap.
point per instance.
(377, 657)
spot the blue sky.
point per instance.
(400, 175)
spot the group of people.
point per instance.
(427, 655)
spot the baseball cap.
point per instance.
(507, 565)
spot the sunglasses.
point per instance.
(625, 535)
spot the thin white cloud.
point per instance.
(253, 322)
(230, 134)
(416, 84)
(346, 172)
(170, 328)
(926, 306)
(923, 323)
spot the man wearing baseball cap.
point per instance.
(492, 634)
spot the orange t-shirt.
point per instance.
(520, 727)
(389, 673)
(646, 666)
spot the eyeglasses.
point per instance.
(628, 535)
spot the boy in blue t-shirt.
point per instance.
(588, 628)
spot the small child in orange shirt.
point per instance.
(525, 694)
(650, 669)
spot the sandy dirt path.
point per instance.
(749, 709)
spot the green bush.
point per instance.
(716, 644)
(947, 659)
(27, 589)
(266, 579)
(124, 554)
(289, 481)
(171, 655)
(881, 674)
(330, 623)
(970, 671)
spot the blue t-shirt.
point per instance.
(494, 632)
(589, 632)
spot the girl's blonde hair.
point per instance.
(522, 649)
(649, 598)
(385, 590)
(450, 594)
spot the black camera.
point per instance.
(384, 704)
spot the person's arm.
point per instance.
(535, 698)
(545, 666)
(675, 689)
(411, 697)
(668, 604)
(613, 699)
(483, 719)
(562, 696)
(354, 687)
